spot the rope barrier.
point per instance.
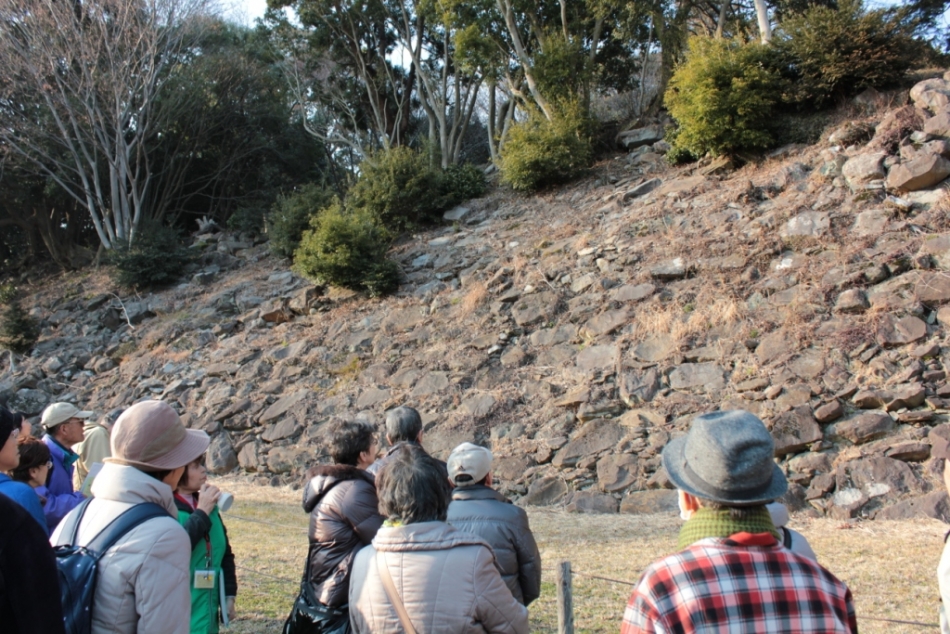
(264, 574)
(250, 519)
(883, 620)
(575, 572)
(861, 618)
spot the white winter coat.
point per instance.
(800, 545)
(143, 585)
(943, 581)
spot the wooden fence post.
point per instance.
(565, 599)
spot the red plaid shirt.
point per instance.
(743, 584)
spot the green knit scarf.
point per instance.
(718, 523)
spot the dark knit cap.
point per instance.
(7, 424)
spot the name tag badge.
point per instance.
(204, 579)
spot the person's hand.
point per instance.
(207, 497)
(232, 613)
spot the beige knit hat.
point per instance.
(150, 436)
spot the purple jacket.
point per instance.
(60, 498)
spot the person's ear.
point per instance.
(389, 440)
(690, 502)
(419, 437)
(488, 479)
(174, 477)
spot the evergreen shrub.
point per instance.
(723, 97)
(18, 331)
(539, 152)
(459, 183)
(347, 248)
(833, 53)
(291, 216)
(155, 257)
(399, 187)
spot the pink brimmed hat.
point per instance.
(150, 436)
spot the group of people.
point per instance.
(408, 543)
(398, 543)
(163, 575)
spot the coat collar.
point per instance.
(477, 492)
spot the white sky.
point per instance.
(244, 11)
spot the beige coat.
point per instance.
(446, 579)
(143, 584)
(94, 448)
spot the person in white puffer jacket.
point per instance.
(143, 581)
(793, 540)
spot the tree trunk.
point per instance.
(762, 15)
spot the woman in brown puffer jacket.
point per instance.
(344, 513)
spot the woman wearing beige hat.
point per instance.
(143, 583)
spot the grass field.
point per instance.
(889, 566)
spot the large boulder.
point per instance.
(707, 377)
(863, 168)
(804, 226)
(794, 431)
(595, 437)
(650, 502)
(637, 137)
(932, 94)
(863, 428)
(220, 456)
(592, 502)
(919, 173)
(545, 491)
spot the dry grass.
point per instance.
(474, 298)
(889, 566)
(684, 323)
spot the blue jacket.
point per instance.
(24, 495)
(59, 494)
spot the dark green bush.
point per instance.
(539, 152)
(291, 216)
(155, 257)
(459, 183)
(347, 248)
(835, 53)
(723, 96)
(399, 187)
(18, 331)
(248, 219)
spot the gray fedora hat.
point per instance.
(726, 457)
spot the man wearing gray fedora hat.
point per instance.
(732, 573)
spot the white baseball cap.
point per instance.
(471, 460)
(59, 413)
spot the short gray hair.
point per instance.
(412, 487)
(403, 424)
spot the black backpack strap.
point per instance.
(122, 524)
(787, 538)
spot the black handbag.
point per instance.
(309, 616)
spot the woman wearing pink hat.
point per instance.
(143, 582)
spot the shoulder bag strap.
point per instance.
(392, 594)
(71, 524)
(787, 541)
